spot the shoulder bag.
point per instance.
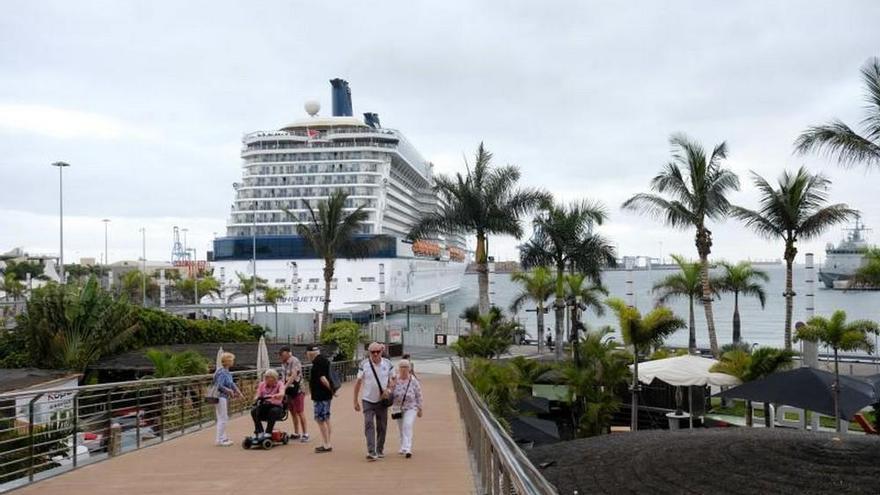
(383, 401)
(399, 413)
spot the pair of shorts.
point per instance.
(322, 410)
(296, 403)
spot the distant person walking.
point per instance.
(321, 390)
(407, 405)
(291, 369)
(372, 393)
(226, 389)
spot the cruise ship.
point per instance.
(303, 163)
(842, 261)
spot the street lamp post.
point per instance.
(61, 166)
(143, 231)
(106, 255)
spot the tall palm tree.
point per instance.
(836, 333)
(741, 278)
(582, 295)
(564, 239)
(485, 201)
(643, 333)
(796, 210)
(537, 286)
(749, 365)
(686, 283)
(837, 139)
(273, 295)
(249, 285)
(331, 231)
(690, 190)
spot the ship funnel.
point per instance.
(372, 120)
(341, 98)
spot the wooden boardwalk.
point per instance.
(193, 465)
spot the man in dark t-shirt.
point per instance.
(321, 390)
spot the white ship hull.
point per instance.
(358, 282)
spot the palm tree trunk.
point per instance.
(736, 323)
(692, 332)
(707, 302)
(789, 298)
(328, 276)
(540, 317)
(836, 394)
(483, 273)
(559, 307)
(634, 414)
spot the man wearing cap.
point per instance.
(321, 389)
(372, 393)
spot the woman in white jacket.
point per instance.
(407, 405)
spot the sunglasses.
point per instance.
(375, 352)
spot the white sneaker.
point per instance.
(225, 443)
(304, 438)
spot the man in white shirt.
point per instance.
(375, 380)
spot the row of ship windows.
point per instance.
(293, 216)
(258, 180)
(319, 155)
(283, 281)
(306, 192)
(246, 231)
(301, 204)
(315, 168)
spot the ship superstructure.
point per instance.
(305, 162)
(842, 261)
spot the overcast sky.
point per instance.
(148, 102)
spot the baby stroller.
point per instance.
(272, 438)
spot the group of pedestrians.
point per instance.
(379, 388)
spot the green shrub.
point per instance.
(346, 335)
(13, 349)
(158, 328)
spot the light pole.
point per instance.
(61, 166)
(106, 258)
(143, 231)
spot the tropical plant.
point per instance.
(594, 383)
(695, 187)
(331, 232)
(158, 328)
(643, 333)
(797, 210)
(11, 286)
(21, 269)
(687, 283)
(839, 335)
(582, 295)
(76, 272)
(564, 239)
(493, 337)
(71, 327)
(346, 335)
(485, 201)
(529, 370)
(838, 139)
(867, 275)
(498, 385)
(132, 286)
(191, 288)
(749, 365)
(741, 278)
(536, 286)
(168, 364)
(249, 285)
(273, 295)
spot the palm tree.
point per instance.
(11, 286)
(685, 283)
(249, 285)
(868, 275)
(172, 364)
(71, 326)
(749, 365)
(795, 211)
(643, 333)
(564, 239)
(742, 278)
(191, 288)
(582, 295)
(695, 187)
(836, 333)
(331, 232)
(272, 295)
(537, 286)
(485, 201)
(837, 138)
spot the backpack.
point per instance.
(335, 380)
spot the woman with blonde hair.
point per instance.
(407, 405)
(226, 389)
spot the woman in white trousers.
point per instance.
(226, 389)
(407, 405)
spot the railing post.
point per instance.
(31, 438)
(75, 425)
(138, 417)
(200, 403)
(161, 413)
(182, 403)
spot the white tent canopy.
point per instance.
(262, 357)
(684, 371)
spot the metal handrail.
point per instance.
(499, 464)
(46, 432)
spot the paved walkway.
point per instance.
(193, 465)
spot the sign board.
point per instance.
(440, 339)
(49, 406)
(395, 336)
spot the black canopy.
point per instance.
(808, 388)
